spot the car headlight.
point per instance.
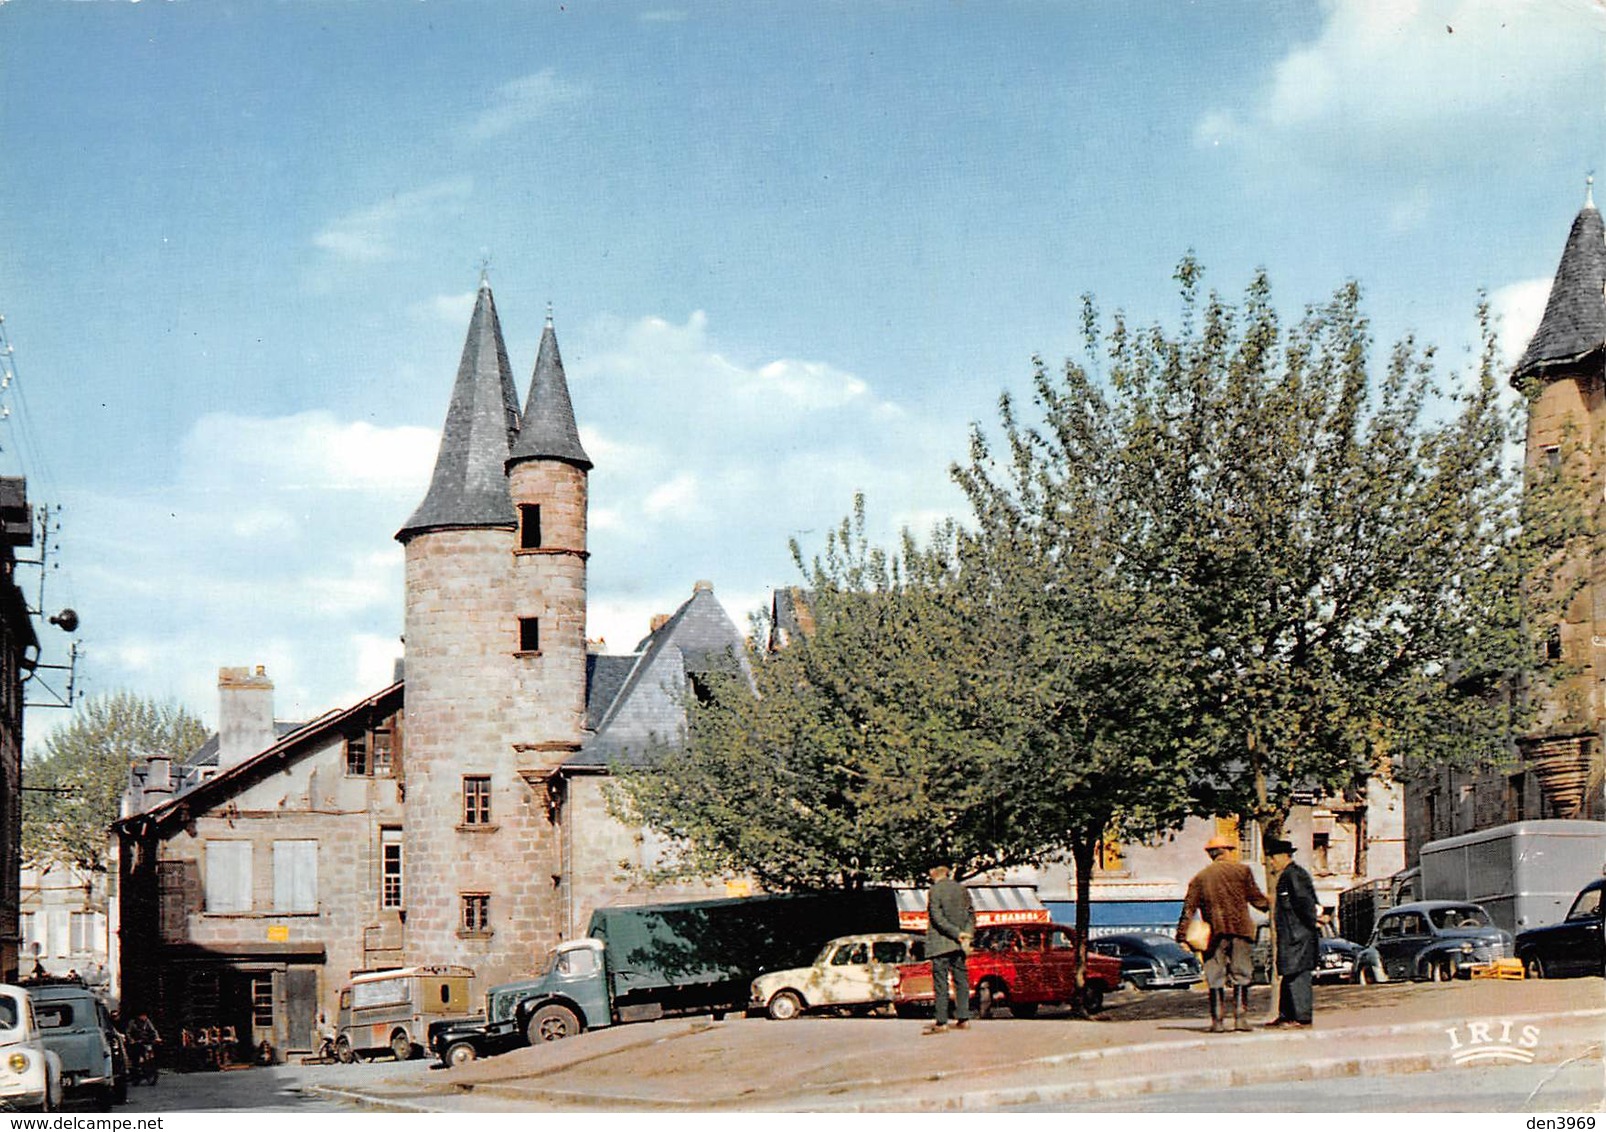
(18, 1062)
(1467, 947)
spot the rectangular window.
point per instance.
(228, 876)
(262, 1002)
(295, 876)
(476, 799)
(1552, 455)
(390, 868)
(529, 526)
(476, 912)
(356, 754)
(529, 634)
(383, 742)
(1553, 643)
(28, 924)
(83, 932)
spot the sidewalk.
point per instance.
(1143, 1044)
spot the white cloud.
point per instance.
(449, 310)
(1418, 82)
(370, 235)
(676, 499)
(1517, 309)
(524, 100)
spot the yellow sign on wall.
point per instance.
(278, 933)
(738, 888)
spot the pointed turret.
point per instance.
(549, 432)
(469, 487)
(1574, 326)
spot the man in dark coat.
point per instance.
(1222, 893)
(1298, 915)
(951, 922)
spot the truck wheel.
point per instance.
(551, 1023)
(989, 996)
(1093, 997)
(401, 1046)
(343, 1051)
(461, 1053)
(785, 1005)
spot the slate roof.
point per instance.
(700, 638)
(549, 431)
(1574, 325)
(469, 487)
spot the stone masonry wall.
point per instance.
(462, 719)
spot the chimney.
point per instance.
(157, 784)
(245, 715)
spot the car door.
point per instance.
(885, 955)
(1415, 934)
(1390, 942)
(1580, 950)
(847, 975)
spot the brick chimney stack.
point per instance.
(245, 714)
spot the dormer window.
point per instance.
(529, 526)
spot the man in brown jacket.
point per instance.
(1222, 892)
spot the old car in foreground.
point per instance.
(1576, 946)
(1150, 961)
(30, 1074)
(1022, 967)
(1436, 940)
(851, 972)
(75, 1025)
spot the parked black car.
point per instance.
(1335, 957)
(1576, 946)
(1150, 962)
(1430, 939)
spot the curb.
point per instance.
(823, 1098)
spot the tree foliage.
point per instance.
(1217, 566)
(75, 783)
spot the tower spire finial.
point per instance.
(485, 272)
(1589, 190)
(549, 313)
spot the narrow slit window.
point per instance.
(529, 634)
(529, 526)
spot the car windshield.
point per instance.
(1465, 916)
(1166, 949)
(8, 1013)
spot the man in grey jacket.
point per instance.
(951, 922)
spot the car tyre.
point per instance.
(1533, 967)
(401, 1047)
(343, 1051)
(1440, 971)
(551, 1023)
(989, 996)
(461, 1053)
(785, 1005)
(1093, 997)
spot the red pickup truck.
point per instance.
(1022, 966)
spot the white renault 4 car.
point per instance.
(854, 971)
(30, 1075)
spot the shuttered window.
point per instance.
(228, 876)
(295, 876)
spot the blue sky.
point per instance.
(793, 251)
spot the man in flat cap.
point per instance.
(951, 923)
(1298, 915)
(1221, 893)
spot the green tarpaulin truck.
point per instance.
(640, 962)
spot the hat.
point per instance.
(1276, 845)
(1221, 841)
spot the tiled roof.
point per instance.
(548, 431)
(1574, 326)
(469, 487)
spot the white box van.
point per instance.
(392, 1010)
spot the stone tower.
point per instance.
(1566, 360)
(495, 644)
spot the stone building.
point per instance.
(1559, 770)
(459, 816)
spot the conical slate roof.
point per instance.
(549, 431)
(469, 488)
(1574, 326)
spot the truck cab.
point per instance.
(568, 996)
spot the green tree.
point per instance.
(75, 783)
(868, 751)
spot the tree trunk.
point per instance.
(1083, 846)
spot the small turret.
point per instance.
(1574, 326)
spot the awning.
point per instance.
(994, 903)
